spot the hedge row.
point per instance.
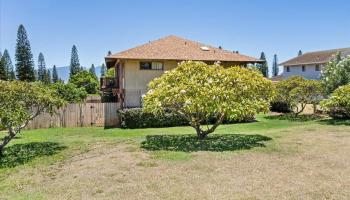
(136, 118)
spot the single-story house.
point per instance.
(136, 67)
(309, 65)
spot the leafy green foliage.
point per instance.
(110, 73)
(190, 143)
(199, 91)
(3, 74)
(298, 92)
(24, 57)
(338, 105)
(70, 92)
(86, 80)
(336, 73)
(19, 154)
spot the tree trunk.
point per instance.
(6, 140)
(201, 134)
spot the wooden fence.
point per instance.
(79, 115)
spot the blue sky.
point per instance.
(249, 26)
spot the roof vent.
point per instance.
(204, 48)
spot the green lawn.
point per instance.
(80, 163)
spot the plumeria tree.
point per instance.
(336, 73)
(297, 92)
(199, 91)
(21, 102)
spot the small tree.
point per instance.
(336, 73)
(85, 80)
(3, 74)
(24, 56)
(298, 92)
(338, 105)
(198, 91)
(42, 73)
(70, 92)
(21, 102)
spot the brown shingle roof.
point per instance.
(317, 57)
(176, 48)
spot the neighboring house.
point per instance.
(309, 65)
(136, 67)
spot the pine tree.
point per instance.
(92, 70)
(8, 66)
(74, 62)
(103, 70)
(109, 53)
(41, 68)
(54, 74)
(263, 67)
(3, 74)
(24, 56)
(47, 77)
(300, 53)
(275, 66)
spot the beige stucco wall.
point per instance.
(136, 80)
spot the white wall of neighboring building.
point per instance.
(309, 73)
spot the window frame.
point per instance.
(288, 68)
(303, 68)
(317, 68)
(151, 66)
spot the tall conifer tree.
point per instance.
(275, 69)
(54, 74)
(24, 56)
(41, 68)
(103, 70)
(8, 66)
(74, 62)
(264, 68)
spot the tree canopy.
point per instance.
(264, 68)
(199, 91)
(275, 69)
(86, 80)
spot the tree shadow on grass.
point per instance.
(335, 122)
(298, 118)
(19, 154)
(190, 143)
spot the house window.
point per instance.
(151, 66)
(288, 69)
(317, 68)
(303, 68)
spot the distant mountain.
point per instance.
(63, 72)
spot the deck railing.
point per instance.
(108, 83)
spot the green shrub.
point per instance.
(137, 118)
(281, 107)
(338, 105)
